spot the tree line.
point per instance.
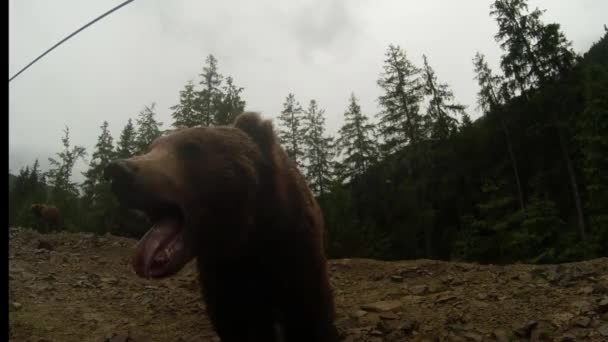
(526, 182)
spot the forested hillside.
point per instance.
(415, 177)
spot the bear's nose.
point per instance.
(119, 170)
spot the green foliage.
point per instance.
(400, 120)
(231, 103)
(127, 144)
(318, 150)
(291, 132)
(210, 96)
(64, 192)
(99, 204)
(217, 103)
(441, 108)
(185, 113)
(148, 129)
(355, 143)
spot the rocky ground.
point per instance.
(79, 287)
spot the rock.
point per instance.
(16, 306)
(473, 336)
(561, 318)
(581, 321)
(388, 316)
(42, 244)
(397, 279)
(525, 329)
(358, 313)
(444, 298)
(603, 330)
(602, 305)
(382, 306)
(419, 290)
(427, 338)
(599, 289)
(541, 332)
(501, 335)
(567, 337)
(582, 306)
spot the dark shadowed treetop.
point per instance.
(356, 144)
(441, 108)
(126, 145)
(231, 103)
(291, 134)
(534, 52)
(185, 113)
(148, 128)
(103, 154)
(60, 174)
(210, 94)
(400, 119)
(317, 150)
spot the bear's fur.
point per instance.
(49, 215)
(240, 206)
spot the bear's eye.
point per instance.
(188, 151)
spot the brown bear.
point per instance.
(231, 198)
(49, 215)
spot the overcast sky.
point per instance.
(321, 49)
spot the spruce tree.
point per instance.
(291, 133)
(441, 108)
(97, 195)
(317, 150)
(356, 143)
(185, 113)
(536, 53)
(231, 103)
(492, 96)
(210, 96)
(400, 120)
(64, 192)
(148, 129)
(126, 146)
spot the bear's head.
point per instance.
(198, 186)
(37, 209)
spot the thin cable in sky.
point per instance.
(70, 36)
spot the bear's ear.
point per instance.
(261, 131)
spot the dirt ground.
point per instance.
(79, 287)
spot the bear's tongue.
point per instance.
(157, 249)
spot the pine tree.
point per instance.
(64, 192)
(291, 134)
(592, 137)
(126, 146)
(210, 96)
(441, 107)
(317, 150)
(231, 103)
(355, 143)
(185, 113)
(148, 129)
(492, 96)
(97, 195)
(400, 120)
(536, 53)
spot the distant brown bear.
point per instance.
(49, 215)
(231, 198)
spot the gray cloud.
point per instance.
(317, 49)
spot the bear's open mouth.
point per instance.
(162, 251)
